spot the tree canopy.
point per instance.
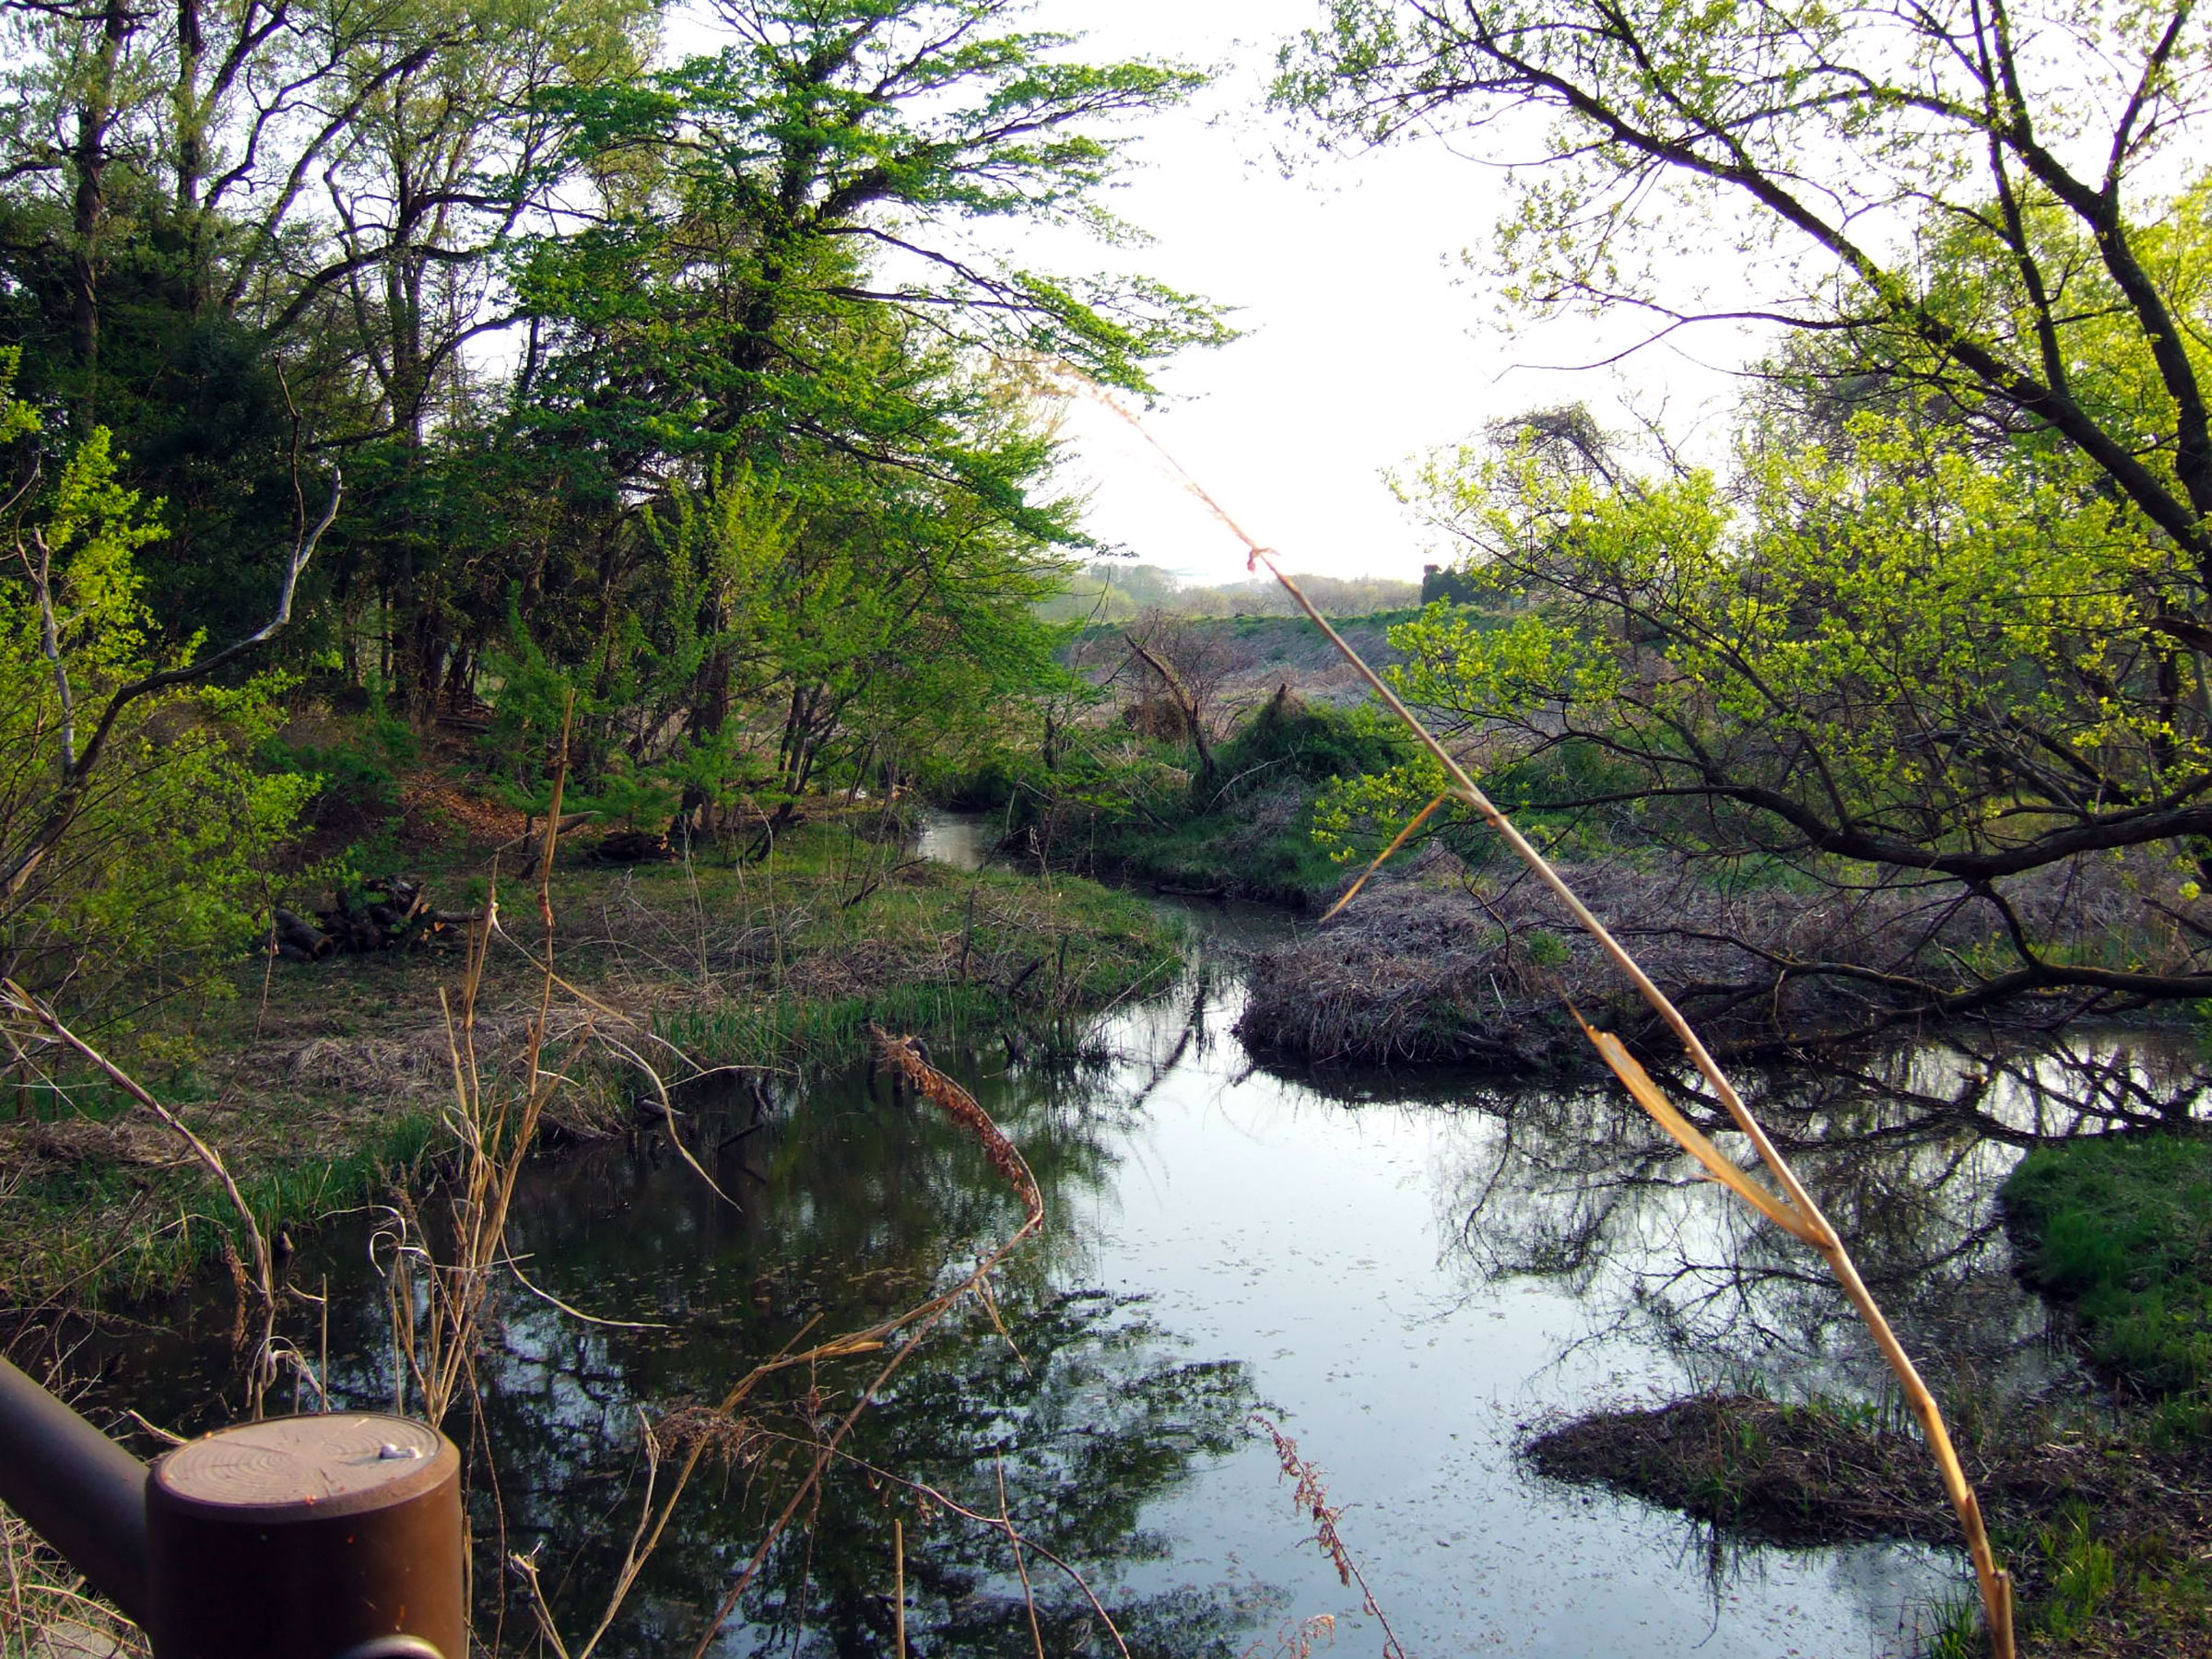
(572, 313)
(1939, 628)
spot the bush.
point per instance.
(136, 857)
(1289, 738)
(360, 767)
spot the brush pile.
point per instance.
(396, 915)
(632, 846)
(1476, 967)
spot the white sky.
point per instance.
(1368, 339)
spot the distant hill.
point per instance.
(1110, 591)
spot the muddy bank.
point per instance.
(324, 1084)
(1447, 963)
(2106, 1538)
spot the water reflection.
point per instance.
(1407, 1275)
(1906, 1151)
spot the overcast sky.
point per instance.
(1368, 342)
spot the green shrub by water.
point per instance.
(1143, 809)
(1313, 742)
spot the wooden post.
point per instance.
(337, 1536)
(304, 1537)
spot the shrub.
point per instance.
(137, 856)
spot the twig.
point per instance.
(1311, 1497)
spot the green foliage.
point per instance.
(1133, 806)
(1958, 1632)
(362, 764)
(2084, 1573)
(2120, 1225)
(161, 856)
(1314, 742)
(1943, 621)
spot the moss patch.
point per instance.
(2119, 1229)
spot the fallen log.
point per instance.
(632, 846)
(533, 832)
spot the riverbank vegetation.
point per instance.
(2101, 1499)
(325, 1082)
(419, 427)
(729, 521)
(1931, 636)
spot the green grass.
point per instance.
(1956, 1632)
(2120, 1227)
(786, 961)
(99, 1230)
(1221, 850)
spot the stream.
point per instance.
(1408, 1277)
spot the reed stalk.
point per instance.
(1793, 1209)
(899, 1339)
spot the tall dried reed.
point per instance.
(1313, 1499)
(1792, 1208)
(727, 1430)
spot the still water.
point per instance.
(1407, 1277)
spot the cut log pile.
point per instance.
(632, 846)
(397, 915)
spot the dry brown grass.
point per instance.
(46, 1609)
(1448, 965)
(1312, 1498)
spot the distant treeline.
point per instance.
(1110, 591)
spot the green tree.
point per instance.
(775, 284)
(1964, 201)
(1941, 628)
(133, 823)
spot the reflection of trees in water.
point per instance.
(1906, 1151)
(852, 1208)
(1092, 1413)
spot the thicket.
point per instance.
(136, 829)
(1938, 626)
(682, 445)
(1123, 797)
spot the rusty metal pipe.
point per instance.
(80, 1491)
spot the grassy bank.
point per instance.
(323, 1084)
(2118, 1229)
(2106, 1522)
(2105, 1535)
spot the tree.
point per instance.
(776, 282)
(132, 819)
(1868, 150)
(1943, 628)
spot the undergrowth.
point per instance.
(2119, 1229)
(325, 1093)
